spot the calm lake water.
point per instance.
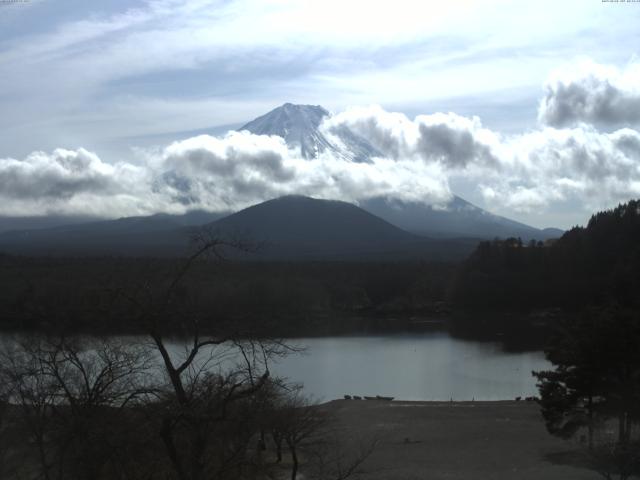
(425, 366)
(417, 366)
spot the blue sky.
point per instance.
(122, 78)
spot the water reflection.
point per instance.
(429, 366)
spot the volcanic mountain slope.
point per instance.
(297, 227)
(299, 126)
(458, 218)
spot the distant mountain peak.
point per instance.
(458, 218)
(299, 107)
(299, 126)
(287, 117)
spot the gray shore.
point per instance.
(459, 440)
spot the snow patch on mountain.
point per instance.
(300, 127)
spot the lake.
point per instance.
(422, 366)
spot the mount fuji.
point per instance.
(299, 126)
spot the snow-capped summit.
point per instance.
(299, 125)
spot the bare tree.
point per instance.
(294, 421)
(201, 430)
(313, 441)
(72, 394)
(7, 428)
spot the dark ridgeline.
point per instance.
(155, 235)
(289, 228)
(457, 219)
(8, 224)
(317, 223)
(302, 228)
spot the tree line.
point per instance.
(592, 265)
(288, 299)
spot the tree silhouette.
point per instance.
(595, 385)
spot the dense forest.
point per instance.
(90, 295)
(593, 265)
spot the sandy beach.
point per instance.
(459, 440)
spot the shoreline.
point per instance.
(400, 402)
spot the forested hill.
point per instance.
(591, 265)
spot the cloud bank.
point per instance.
(449, 140)
(522, 172)
(586, 92)
(570, 157)
(70, 182)
(240, 169)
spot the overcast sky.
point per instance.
(529, 109)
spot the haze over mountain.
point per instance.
(159, 221)
(161, 234)
(8, 224)
(458, 218)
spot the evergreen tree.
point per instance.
(595, 383)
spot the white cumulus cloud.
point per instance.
(240, 169)
(591, 93)
(449, 139)
(70, 181)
